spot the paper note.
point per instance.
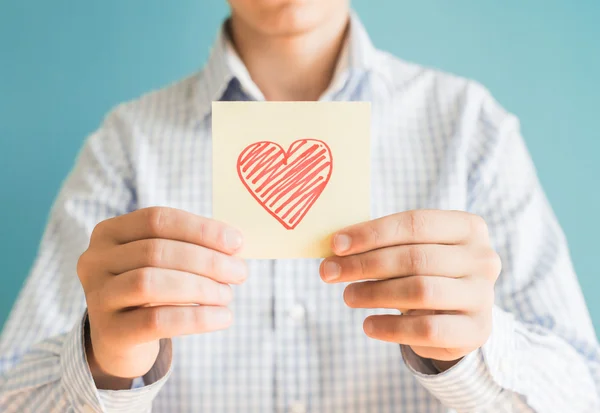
(290, 174)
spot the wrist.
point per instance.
(103, 380)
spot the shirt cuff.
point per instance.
(480, 377)
(81, 390)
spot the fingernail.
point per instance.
(342, 242)
(233, 268)
(368, 327)
(349, 295)
(233, 239)
(331, 271)
(225, 292)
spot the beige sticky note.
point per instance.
(289, 174)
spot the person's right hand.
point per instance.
(151, 274)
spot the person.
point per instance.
(130, 305)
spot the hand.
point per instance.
(151, 274)
(437, 267)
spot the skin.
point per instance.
(160, 272)
(152, 274)
(436, 266)
(290, 47)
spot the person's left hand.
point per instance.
(437, 267)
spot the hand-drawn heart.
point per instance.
(286, 184)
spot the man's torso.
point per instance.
(295, 345)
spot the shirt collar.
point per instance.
(224, 65)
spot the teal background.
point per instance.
(64, 64)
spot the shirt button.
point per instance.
(297, 407)
(297, 313)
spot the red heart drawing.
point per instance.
(286, 184)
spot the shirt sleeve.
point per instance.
(543, 354)
(42, 358)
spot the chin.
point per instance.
(287, 17)
(294, 18)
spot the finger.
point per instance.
(411, 227)
(422, 293)
(157, 286)
(439, 330)
(175, 255)
(147, 324)
(442, 354)
(172, 224)
(421, 259)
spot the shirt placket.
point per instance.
(293, 374)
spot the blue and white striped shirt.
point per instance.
(439, 141)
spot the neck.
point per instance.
(296, 67)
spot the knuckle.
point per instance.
(213, 262)
(152, 321)
(478, 226)
(417, 260)
(155, 220)
(492, 264)
(143, 283)
(82, 265)
(374, 234)
(202, 233)
(362, 265)
(429, 329)
(416, 223)
(98, 231)
(423, 291)
(153, 252)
